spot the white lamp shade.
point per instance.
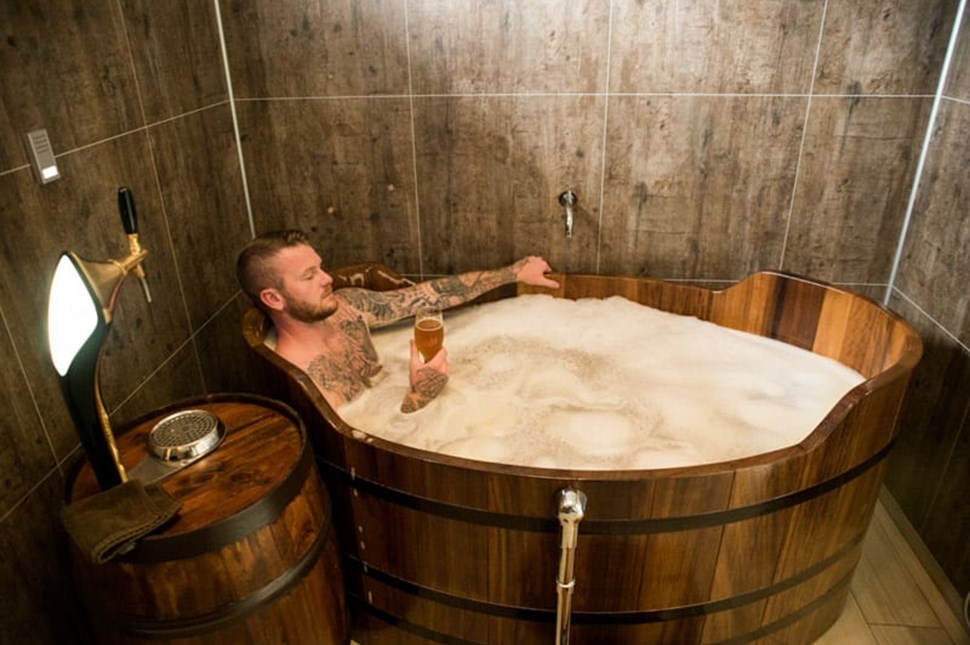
(72, 314)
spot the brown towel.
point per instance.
(109, 523)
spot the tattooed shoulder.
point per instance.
(330, 378)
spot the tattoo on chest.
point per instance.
(347, 365)
(333, 377)
(361, 353)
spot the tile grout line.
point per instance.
(480, 95)
(606, 122)
(235, 117)
(801, 144)
(414, 143)
(933, 320)
(161, 194)
(30, 389)
(193, 334)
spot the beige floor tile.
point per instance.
(943, 609)
(884, 587)
(903, 635)
(851, 627)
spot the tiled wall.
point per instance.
(130, 95)
(704, 140)
(930, 472)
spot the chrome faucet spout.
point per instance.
(568, 199)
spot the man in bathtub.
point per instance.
(326, 333)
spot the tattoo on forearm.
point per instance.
(430, 385)
(382, 308)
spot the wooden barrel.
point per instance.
(251, 556)
(761, 549)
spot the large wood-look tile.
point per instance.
(948, 523)
(935, 409)
(25, 451)
(341, 170)
(176, 53)
(316, 48)
(923, 567)
(883, 47)
(79, 212)
(198, 171)
(936, 256)
(65, 67)
(508, 46)
(767, 47)
(178, 378)
(958, 85)
(40, 604)
(227, 362)
(905, 635)
(857, 166)
(491, 170)
(698, 187)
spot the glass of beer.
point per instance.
(429, 332)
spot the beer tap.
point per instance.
(129, 220)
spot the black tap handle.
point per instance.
(126, 206)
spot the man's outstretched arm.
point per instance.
(385, 307)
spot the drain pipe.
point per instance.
(572, 507)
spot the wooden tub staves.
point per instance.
(444, 549)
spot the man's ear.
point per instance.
(272, 298)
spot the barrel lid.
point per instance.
(264, 447)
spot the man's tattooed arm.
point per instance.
(428, 386)
(384, 307)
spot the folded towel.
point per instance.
(109, 523)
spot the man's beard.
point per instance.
(308, 312)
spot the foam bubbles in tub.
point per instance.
(601, 384)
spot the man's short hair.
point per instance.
(253, 264)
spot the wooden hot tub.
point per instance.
(444, 549)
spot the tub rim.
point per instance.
(255, 325)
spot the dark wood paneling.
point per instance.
(65, 67)
(948, 521)
(178, 378)
(928, 468)
(889, 47)
(508, 46)
(340, 170)
(698, 187)
(846, 218)
(316, 48)
(80, 213)
(177, 57)
(40, 603)
(222, 351)
(198, 171)
(490, 172)
(767, 47)
(25, 451)
(936, 259)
